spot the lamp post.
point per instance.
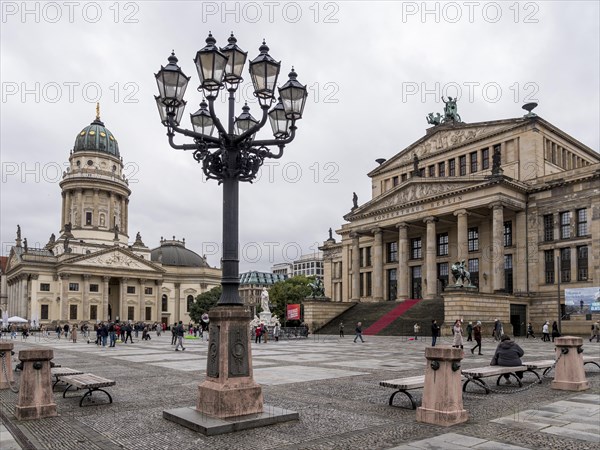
(233, 155)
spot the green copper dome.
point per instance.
(96, 137)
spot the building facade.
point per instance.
(91, 272)
(507, 197)
(252, 284)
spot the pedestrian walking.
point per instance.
(128, 330)
(477, 336)
(435, 332)
(265, 332)
(276, 332)
(417, 330)
(529, 331)
(498, 330)
(66, 330)
(74, 333)
(458, 339)
(341, 328)
(180, 332)
(358, 332)
(258, 334)
(546, 332)
(470, 332)
(173, 334)
(555, 332)
(112, 333)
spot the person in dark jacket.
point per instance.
(555, 332)
(477, 335)
(435, 332)
(508, 354)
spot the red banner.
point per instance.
(293, 312)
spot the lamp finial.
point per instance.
(97, 110)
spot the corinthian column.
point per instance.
(430, 258)
(497, 246)
(355, 267)
(403, 253)
(378, 264)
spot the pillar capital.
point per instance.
(430, 219)
(354, 235)
(106, 279)
(402, 225)
(496, 205)
(460, 212)
(377, 230)
(64, 275)
(142, 280)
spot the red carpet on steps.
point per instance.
(391, 316)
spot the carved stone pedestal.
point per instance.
(36, 399)
(229, 399)
(442, 395)
(6, 374)
(569, 374)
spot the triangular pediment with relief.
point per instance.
(117, 258)
(414, 192)
(445, 138)
(13, 260)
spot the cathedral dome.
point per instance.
(96, 137)
(174, 253)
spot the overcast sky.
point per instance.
(373, 69)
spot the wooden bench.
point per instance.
(476, 375)
(534, 366)
(87, 381)
(58, 372)
(595, 360)
(404, 385)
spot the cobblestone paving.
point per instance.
(332, 383)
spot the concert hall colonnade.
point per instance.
(91, 271)
(507, 197)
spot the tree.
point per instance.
(290, 291)
(204, 302)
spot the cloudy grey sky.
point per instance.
(373, 69)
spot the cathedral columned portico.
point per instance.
(504, 198)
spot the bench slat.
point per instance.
(405, 383)
(544, 364)
(490, 371)
(88, 381)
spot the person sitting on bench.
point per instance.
(508, 353)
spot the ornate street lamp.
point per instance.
(232, 156)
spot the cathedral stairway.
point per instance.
(390, 317)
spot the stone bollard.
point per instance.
(36, 399)
(442, 395)
(569, 374)
(6, 374)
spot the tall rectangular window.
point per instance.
(73, 286)
(366, 259)
(548, 227)
(582, 263)
(473, 268)
(485, 158)
(130, 312)
(508, 273)
(473, 239)
(549, 266)
(582, 225)
(507, 233)
(148, 290)
(369, 286)
(443, 275)
(462, 163)
(441, 169)
(392, 252)
(565, 265)
(431, 170)
(94, 288)
(415, 248)
(93, 312)
(452, 167)
(148, 312)
(44, 312)
(565, 225)
(45, 287)
(395, 181)
(72, 312)
(442, 244)
(474, 162)
(403, 177)
(88, 218)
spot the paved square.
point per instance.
(331, 382)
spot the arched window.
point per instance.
(190, 302)
(165, 303)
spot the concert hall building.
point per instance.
(518, 200)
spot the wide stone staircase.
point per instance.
(421, 312)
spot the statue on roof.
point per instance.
(25, 244)
(416, 171)
(330, 236)
(450, 110)
(354, 200)
(116, 232)
(496, 160)
(18, 231)
(434, 120)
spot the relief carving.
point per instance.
(114, 260)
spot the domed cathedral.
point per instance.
(490, 218)
(92, 272)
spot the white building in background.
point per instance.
(91, 272)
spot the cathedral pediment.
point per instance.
(415, 191)
(116, 258)
(445, 138)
